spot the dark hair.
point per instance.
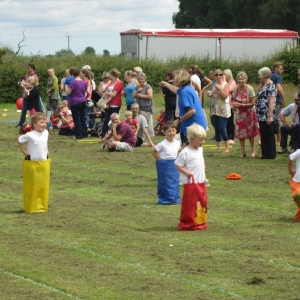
(169, 124)
(74, 72)
(170, 74)
(32, 66)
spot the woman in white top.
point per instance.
(220, 109)
(104, 83)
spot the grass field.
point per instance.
(104, 237)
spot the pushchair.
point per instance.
(161, 120)
(94, 114)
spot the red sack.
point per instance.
(193, 207)
(25, 128)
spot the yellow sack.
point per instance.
(36, 185)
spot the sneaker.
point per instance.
(110, 149)
(207, 182)
(282, 151)
(18, 126)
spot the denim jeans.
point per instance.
(24, 112)
(79, 118)
(219, 124)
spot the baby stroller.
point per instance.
(94, 114)
(161, 120)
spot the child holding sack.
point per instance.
(165, 154)
(36, 166)
(190, 163)
(295, 180)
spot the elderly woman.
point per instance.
(53, 93)
(113, 98)
(143, 95)
(77, 92)
(265, 109)
(66, 119)
(220, 109)
(189, 105)
(246, 124)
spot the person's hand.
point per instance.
(162, 83)
(176, 122)
(269, 120)
(188, 174)
(294, 118)
(114, 125)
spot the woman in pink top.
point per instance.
(230, 124)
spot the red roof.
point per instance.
(215, 33)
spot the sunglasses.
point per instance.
(61, 107)
(218, 74)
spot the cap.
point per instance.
(86, 67)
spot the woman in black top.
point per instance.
(33, 95)
(170, 99)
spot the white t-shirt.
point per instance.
(289, 111)
(195, 78)
(37, 144)
(193, 161)
(167, 150)
(296, 156)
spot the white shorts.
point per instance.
(123, 147)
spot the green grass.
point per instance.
(104, 237)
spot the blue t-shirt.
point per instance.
(189, 99)
(129, 89)
(276, 78)
(68, 81)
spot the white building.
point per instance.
(232, 44)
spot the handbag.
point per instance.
(193, 207)
(102, 103)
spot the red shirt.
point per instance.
(117, 100)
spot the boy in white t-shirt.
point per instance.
(295, 180)
(190, 163)
(165, 154)
(37, 139)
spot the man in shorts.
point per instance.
(135, 108)
(122, 134)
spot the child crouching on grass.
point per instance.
(295, 180)
(190, 163)
(165, 154)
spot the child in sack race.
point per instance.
(190, 163)
(165, 154)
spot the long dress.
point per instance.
(246, 123)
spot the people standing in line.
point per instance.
(230, 124)
(77, 91)
(289, 128)
(165, 154)
(33, 95)
(130, 78)
(52, 93)
(265, 112)
(143, 95)
(170, 98)
(113, 98)
(62, 85)
(25, 84)
(143, 125)
(188, 103)
(220, 109)
(280, 98)
(190, 163)
(246, 124)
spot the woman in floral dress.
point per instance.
(246, 124)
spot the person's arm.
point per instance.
(137, 128)
(208, 83)
(184, 171)
(68, 90)
(137, 92)
(295, 113)
(62, 85)
(65, 119)
(24, 151)
(115, 135)
(197, 89)
(169, 86)
(290, 167)
(107, 137)
(155, 153)
(187, 115)
(283, 120)
(149, 95)
(280, 93)
(223, 92)
(145, 131)
(271, 108)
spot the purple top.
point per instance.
(127, 134)
(77, 95)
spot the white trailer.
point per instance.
(229, 44)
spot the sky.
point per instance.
(49, 26)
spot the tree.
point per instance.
(64, 52)
(106, 53)
(89, 51)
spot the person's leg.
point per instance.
(292, 141)
(268, 141)
(243, 151)
(149, 119)
(168, 109)
(83, 118)
(230, 127)
(23, 113)
(215, 122)
(75, 109)
(284, 130)
(106, 120)
(296, 134)
(222, 129)
(277, 117)
(253, 153)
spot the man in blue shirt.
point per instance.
(280, 100)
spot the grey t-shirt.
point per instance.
(143, 124)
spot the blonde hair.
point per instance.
(264, 72)
(33, 80)
(105, 75)
(114, 72)
(128, 113)
(130, 73)
(182, 77)
(228, 73)
(243, 74)
(195, 131)
(37, 117)
(52, 70)
(64, 103)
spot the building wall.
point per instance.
(163, 47)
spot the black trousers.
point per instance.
(268, 142)
(230, 126)
(285, 131)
